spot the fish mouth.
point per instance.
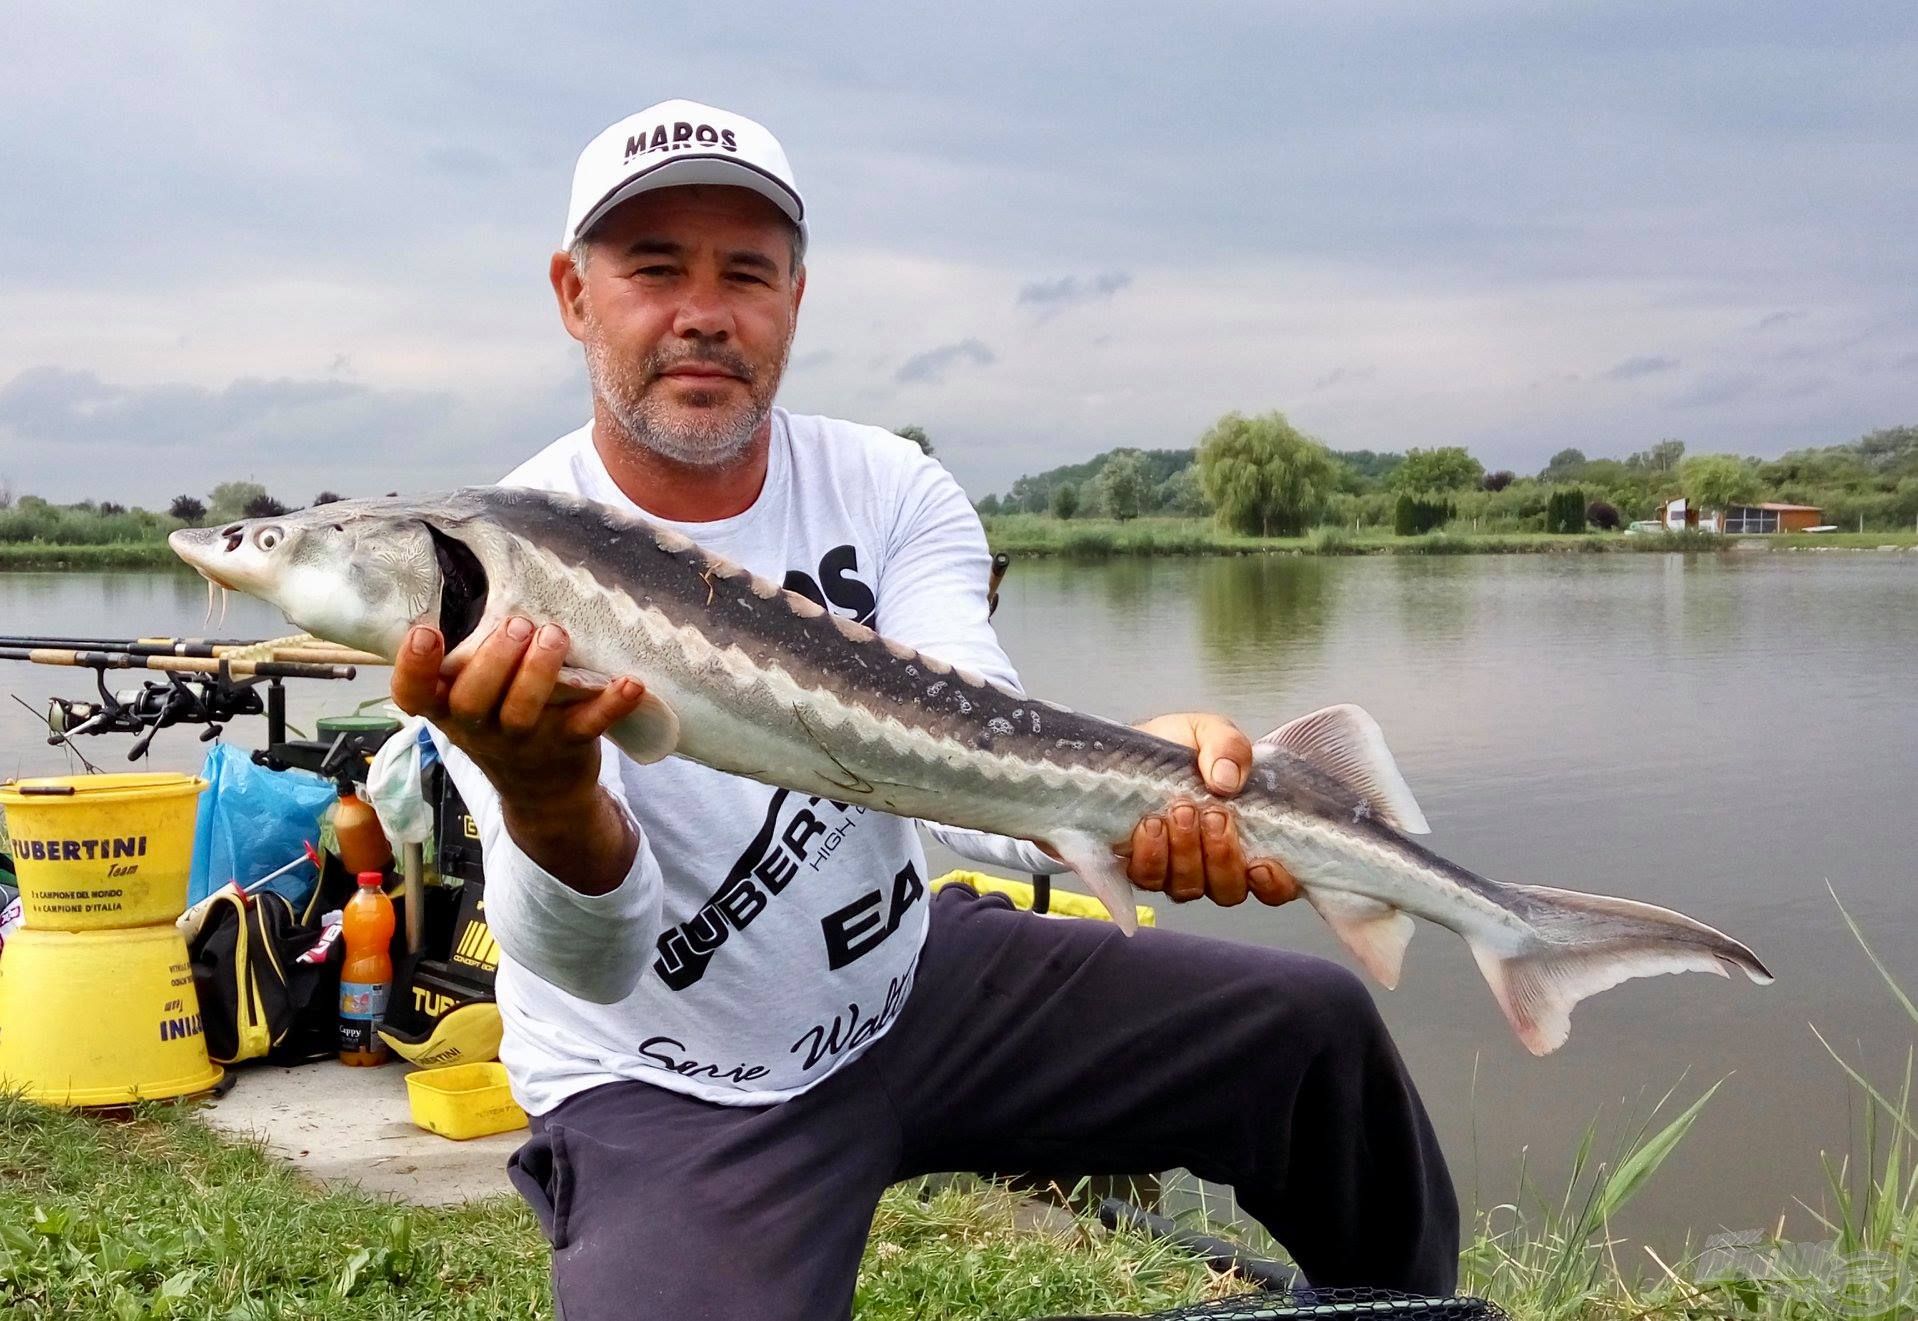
(463, 587)
(194, 545)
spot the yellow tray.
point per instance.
(465, 1101)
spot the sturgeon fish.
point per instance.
(746, 677)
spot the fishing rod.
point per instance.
(220, 666)
(299, 647)
(194, 690)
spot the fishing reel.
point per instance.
(144, 711)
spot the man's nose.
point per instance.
(704, 312)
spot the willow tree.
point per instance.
(1263, 476)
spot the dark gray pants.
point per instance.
(1055, 1047)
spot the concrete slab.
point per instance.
(342, 1125)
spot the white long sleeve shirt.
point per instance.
(762, 938)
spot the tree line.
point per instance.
(106, 522)
(1263, 476)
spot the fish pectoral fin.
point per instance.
(1347, 744)
(649, 734)
(577, 685)
(1100, 868)
(1376, 933)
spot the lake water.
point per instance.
(1721, 734)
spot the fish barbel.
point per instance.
(746, 677)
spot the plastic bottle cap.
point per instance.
(372, 880)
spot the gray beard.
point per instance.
(710, 438)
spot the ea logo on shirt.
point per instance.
(679, 137)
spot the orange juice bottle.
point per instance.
(366, 925)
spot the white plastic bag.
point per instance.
(393, 785)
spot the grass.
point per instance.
(158, 1217)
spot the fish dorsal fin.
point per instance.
(1347, 744)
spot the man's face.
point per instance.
(686, 310)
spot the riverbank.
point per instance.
(1040, 534)
(34, 555)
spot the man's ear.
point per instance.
(799, 291)
(571, 293)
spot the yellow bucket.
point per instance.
(100, 1017)
(96, 851)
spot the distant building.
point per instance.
(1772, 517)
(1740, 520)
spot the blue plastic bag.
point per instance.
(253, 821)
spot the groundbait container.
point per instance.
(465, 1101)
(100, 851)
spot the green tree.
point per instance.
(1124, 485)
(229, 500)
(1568, 465)
(917, 435)
(1448, 468)
(1264, 476)
(988, 506)
(1065, 500)
(1183, 494)
(186, 509)
(1662, 458)
(1714, 481)
(264, 506)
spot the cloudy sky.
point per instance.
(308, 244)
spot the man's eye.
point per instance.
(746, 277)
(654, 272)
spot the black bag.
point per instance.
(269, 986)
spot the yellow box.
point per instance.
(465, 1101)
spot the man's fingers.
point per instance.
(1146, 866)
(1271, 882)
(1185, 877)
(1225, 753)
(1225, 878)
(416, 673)
(532, 683)
(476, 693)
(590, 720)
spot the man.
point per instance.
(734, 1012)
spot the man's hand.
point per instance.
(541, 755)
(1194, 849)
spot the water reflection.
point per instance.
(1264, 612)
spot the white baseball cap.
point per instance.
(675, 143)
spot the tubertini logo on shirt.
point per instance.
(680, 136)
(782, 848)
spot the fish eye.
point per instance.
(267, 538)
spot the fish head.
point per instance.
(356, 572)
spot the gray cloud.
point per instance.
(1070, 291)
(68, 434)
(1644, 365)
(930, 367)
(1344, 376)
(1420, 174)
(1716, 388)
(1778, 319)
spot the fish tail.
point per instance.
(1589, 943)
